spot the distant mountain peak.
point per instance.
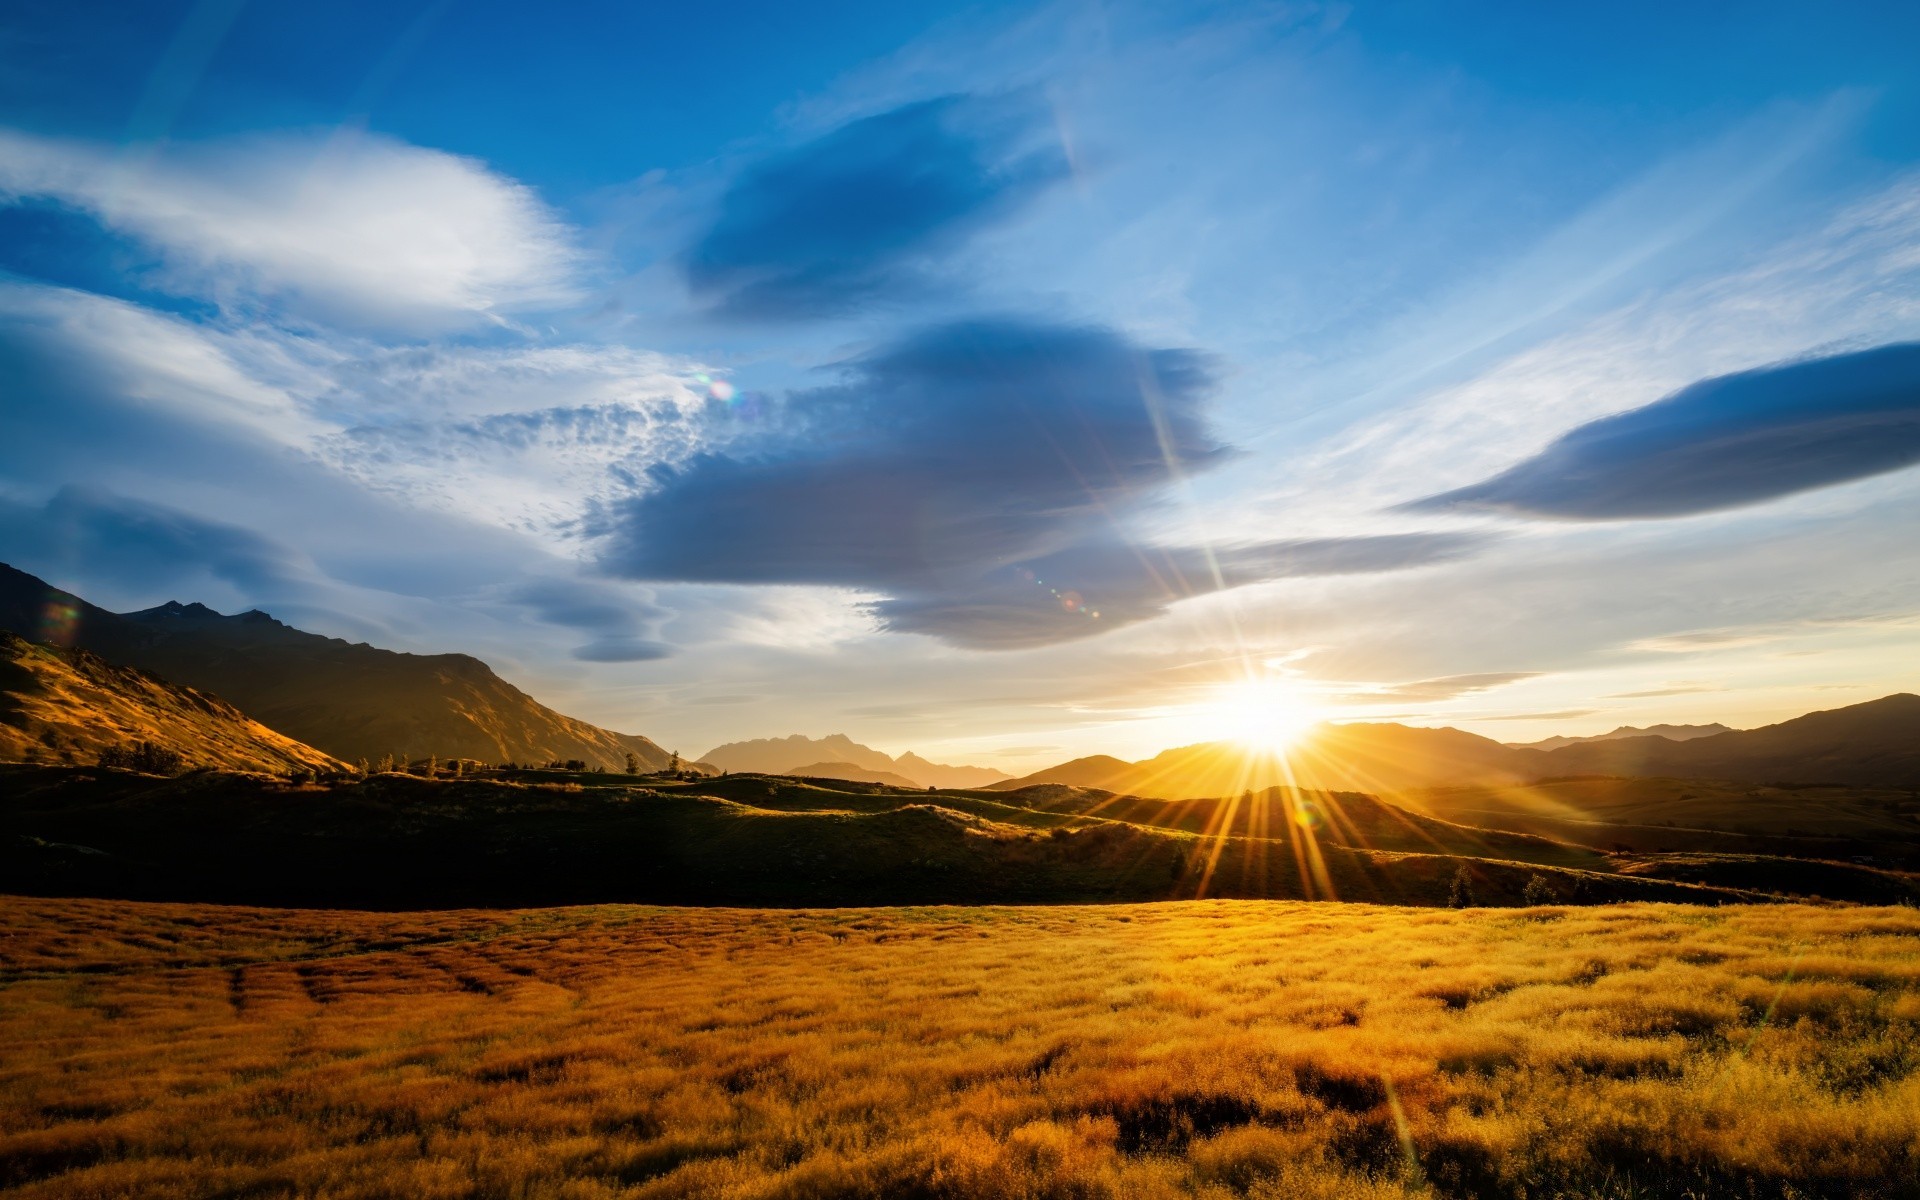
(784, 755)
(173, 608)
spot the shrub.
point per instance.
(149, 758)
(1460, 892)
(1538, 891)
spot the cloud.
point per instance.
(1722, 443)
(862, 213)
(141, 547)
(1565, 714)
(976, 475)
(1101, 584)
(362, 231)
(622, 622)
(1448, 687)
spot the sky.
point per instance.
(1001, 382)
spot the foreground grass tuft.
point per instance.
(1207, 1050)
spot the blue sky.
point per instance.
(1001, 382)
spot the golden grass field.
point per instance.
(1204, 1049)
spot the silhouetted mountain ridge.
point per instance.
(786, 755)
(1872, 744)
(351, 700)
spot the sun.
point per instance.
(1264, 714)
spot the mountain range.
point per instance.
(64, 705)
(1673, 733)
(350, 700)
(1872, 744)
(799, 755)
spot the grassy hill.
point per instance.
(850, 773)
(1213, 1051)
(401, 841)
(1692, 814)
(61, 705)
(351, 700)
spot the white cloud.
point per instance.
(363, 231)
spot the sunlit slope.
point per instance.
(1356, 758)
(1276, 1051)
(1871, 744)
(60, 705)
(351, 700)
(400, 841)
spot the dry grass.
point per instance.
(1201, 1050)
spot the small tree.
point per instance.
(673, 763)
(149, 758)
(1538, 891)
(633, 763)
(1460, 893)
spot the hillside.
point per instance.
(351, 700)
(395, 841)
(850, 773)
(787, 755)
(1875, 744)
(65, 705)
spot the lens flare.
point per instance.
(59, 621)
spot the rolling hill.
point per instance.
(66, 705)
(787, 755)
(850, 773)
(395, 841)
(351, 700)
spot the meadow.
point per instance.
(1206, 1049)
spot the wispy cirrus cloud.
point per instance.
(363, 231)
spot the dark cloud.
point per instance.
(970, 445)
(1099, 584)
(859, 214)
(974, 473)
(622, 650)
(141, 548)
(622, 623)
(1721, 443)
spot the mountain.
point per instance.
(851, 773)
(350, 700)
(1673, 733)
(1872, 744)
(1357, 758)
(65, 705)
(782, 756)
